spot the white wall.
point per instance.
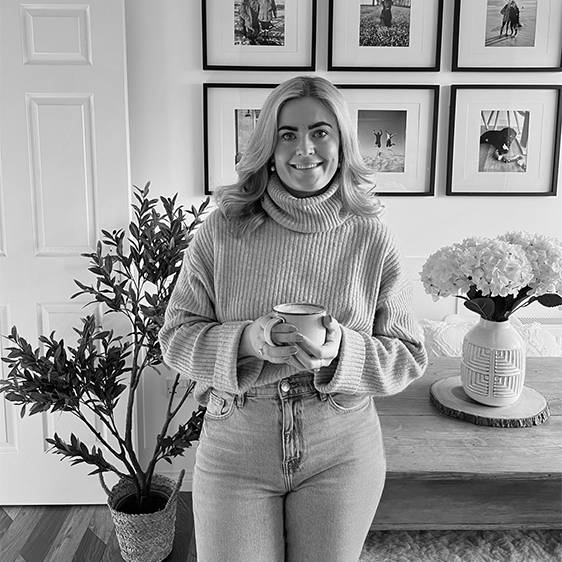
(166, 124)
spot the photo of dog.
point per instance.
(500, 140)
(503, 141)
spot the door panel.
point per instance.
(64, 175)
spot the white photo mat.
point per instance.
(419, 107)
(421, 52)
(472, 50)
(465, 176)
(221, 50)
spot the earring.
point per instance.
(272, 167)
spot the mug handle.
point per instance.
(267, 329)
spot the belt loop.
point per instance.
(323, 397)
(239, 400)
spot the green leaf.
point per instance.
(58, 377)
(484, 306)
(550, 300)
(473, 293)
(36, 408)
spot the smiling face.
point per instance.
(307, 151)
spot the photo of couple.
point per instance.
(511, 23)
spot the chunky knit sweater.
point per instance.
(307, 250)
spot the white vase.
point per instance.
(493, 363)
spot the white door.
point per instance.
(64, 175)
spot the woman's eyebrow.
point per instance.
(320, 124)
(313, 126)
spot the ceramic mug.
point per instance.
(306, 317)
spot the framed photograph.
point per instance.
(397, 129)
(384, 34)
(507, 35)
(259, 34)
(230, 114)
(504, 139)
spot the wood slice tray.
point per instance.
(448, 396)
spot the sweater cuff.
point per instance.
(350, 365)
(227, 375)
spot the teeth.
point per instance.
(305, 166)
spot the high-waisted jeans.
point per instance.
(285, 473)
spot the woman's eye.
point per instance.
(288, 136)
(321, 133)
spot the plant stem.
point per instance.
(79, 414)
(170, 415)
(115, 432)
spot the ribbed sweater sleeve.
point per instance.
(193, 341)
(388, 359)
(306, 250)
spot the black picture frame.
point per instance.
(219, 104)
(484, 169)
(222, 101)
(482, 58)
(243, 59)
(404, 96)
(434, 64)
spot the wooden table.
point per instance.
(445, 473)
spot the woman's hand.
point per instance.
(312, 357)
(282, 335)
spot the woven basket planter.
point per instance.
(145, 537)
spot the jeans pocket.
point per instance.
(345, 403)
(219, 407)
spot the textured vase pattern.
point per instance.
(492, 371)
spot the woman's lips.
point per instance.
(309, 166)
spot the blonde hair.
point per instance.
(241, 201)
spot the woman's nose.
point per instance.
(305, 146)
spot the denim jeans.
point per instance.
(284, 473)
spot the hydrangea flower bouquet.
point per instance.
(497, 275)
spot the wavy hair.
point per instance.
(241, 201)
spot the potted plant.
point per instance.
(498, 276)
(134, 277)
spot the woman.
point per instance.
(510, 18)
(386, 13)
(290, 464)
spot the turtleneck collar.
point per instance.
(316, 213)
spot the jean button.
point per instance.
(285, 386)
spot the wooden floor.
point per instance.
(489, 163)
(78, 534)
